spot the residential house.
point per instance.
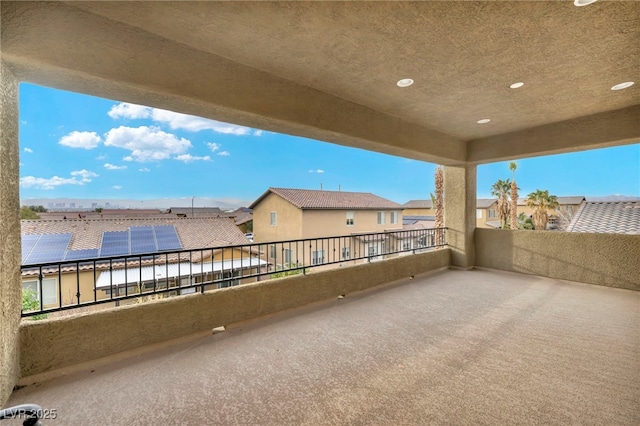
(289, 214)
(161, 254)
(418, 208)
(487, 211)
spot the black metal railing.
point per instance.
(59, 286)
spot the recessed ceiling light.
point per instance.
(405, 82)
(517, 85)
(583, 2)
(623, 85)
(484, 121)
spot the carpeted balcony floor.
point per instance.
(454, 347)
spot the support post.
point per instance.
(460, 213)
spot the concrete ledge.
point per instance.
(57, 343)
(605, 259)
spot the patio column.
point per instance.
(460, 213)
(10, 257)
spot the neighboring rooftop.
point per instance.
(612, 217)
(194, 233)
(418, 204)
(319, 199)
(198, 211)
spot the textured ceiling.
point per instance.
(462, 55)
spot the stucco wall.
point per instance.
(323, 223)
(50, 344)
(10, 299)
(604, 259)
(289, 220)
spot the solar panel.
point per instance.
(142, 239)
(28, 241)
(167, 237)
(81, 254)
(114, 243)
(49, 248)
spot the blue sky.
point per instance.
(79, 146)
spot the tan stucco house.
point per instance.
(283, 214)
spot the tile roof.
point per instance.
(194, 233)
(483, 203)
(319, 199)
(609, 217)
(418, 204)
(195, 210)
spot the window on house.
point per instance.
(569, 209)
(317, 257)
(394, 218)
(287, 256)
(49, 294)
(272, 251)
(381, 218)
(373, 250)
(273, 219)
(346, 253)
(406, 245)
(350, 216)
(493, 213)
(479, 213)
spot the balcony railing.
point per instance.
(82, 283)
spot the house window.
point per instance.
(350, 218)
(493, 213)
(394, 218)
(273, 219)
(317, 257)
(287, 256)
(569, 209)
(373, 250)
(381, 218)
(346, 253)
(272, 251)
(406, 246)
(479, 213)
(49, 295)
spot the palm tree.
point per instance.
(541, 201)
(514, 196)
(501, 189)
(438, 203)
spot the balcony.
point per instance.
(448, 347)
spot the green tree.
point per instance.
(501, 189)
(541, 201)
(514, 196)
(27, 213)
(38, 209)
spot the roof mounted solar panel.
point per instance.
(81, 254)
(143, 240)
(114, 243)
(28, 242)
(167, 237)
(49, 248)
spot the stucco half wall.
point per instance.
(604, 259)
(53, 344)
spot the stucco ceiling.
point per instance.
(329, 69)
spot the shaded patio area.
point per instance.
(452, 347)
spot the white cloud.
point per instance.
(84, 140)
(23, 122)
(21, 164)
(85, 175)
(127, 110)
(117, 186)
(102, 157)
(50, 183)
(213, 146)
(144, 169)
(188, 158)
(175, 120)
(224, 153)
(146, 143)
(257, 132)
(110, 166)
(316, 171)
(29, 150)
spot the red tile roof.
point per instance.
(334, 200)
